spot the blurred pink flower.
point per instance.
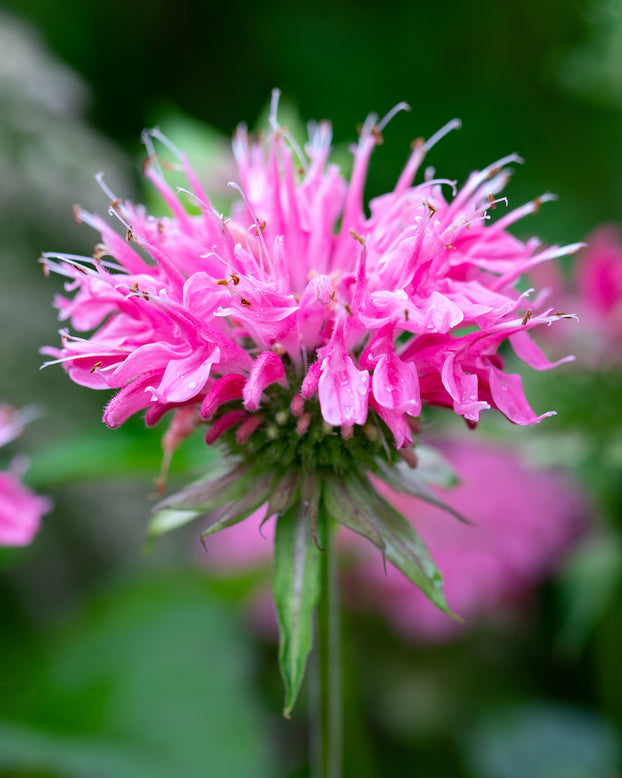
(594, 292)
(20, 508)
(599, 280)
(301, 290)
(524, 519)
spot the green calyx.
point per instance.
(307, 443)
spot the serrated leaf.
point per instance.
(407, 551)
(402, 478)
(372, 516)
(210, 492)
(296, 593)
(349, 508)
(257, 494)
(284, 493)
(203, 497)
(168, 519)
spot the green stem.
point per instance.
(330, 703)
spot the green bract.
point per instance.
(310, 483)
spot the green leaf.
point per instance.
(296, 593)
(349, 508)
(311, 495)
(212, 492)
(284, 493)
(402, 478)
(363, 510)
(256, 495)
(168, 519)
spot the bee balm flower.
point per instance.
(371, 316)
(306, 335)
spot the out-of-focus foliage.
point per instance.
(542, 741)
(154, 678)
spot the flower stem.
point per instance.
(329, 706)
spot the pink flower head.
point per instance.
(20, 508)
(299, 317)
(301, 293)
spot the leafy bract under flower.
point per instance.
(300, 289)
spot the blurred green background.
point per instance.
(118, 664)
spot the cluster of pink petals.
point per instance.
(524, 520)
(20, 508)
(390, 311)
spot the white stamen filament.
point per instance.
(395, 110)
(297, 150)
(79, 258)
(454, 124)
(274, 108)
(238, 188)
(180, 189)
(99, 177)
(151, 152)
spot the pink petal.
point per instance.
(131, 398)
(509, 398)
(526, 349)
(185, 378)
(343, 393)
(267, 369)
(395, 385)
(223, 424)
(227, 388)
